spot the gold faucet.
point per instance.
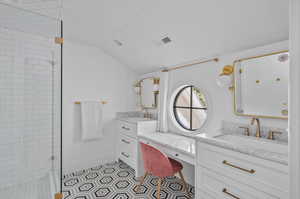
(258, 131)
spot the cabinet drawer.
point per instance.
(128, 145)
(226, 188)
(128, 129)
(127, 159)
(264, 175)
(205, 194)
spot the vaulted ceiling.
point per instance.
(131, 30)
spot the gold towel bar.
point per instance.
(102, 102)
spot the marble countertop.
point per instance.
(135, 119)
(279, 157)
(175, 141)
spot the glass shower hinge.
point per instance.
(58, 196)
(59, 40)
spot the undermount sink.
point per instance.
(255, 143)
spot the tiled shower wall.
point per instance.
(29, 106)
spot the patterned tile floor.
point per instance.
(117, 181)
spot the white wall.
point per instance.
(90, 74)
(294, 101)
(220, 100)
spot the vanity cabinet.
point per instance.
(127, 142)
(128, 150)
(223, 173)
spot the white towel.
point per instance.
(91, 120)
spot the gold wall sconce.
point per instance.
(225, 79)
(284, 112)
(227, 70)
(137, 87)
(156, 85)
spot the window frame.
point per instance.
(191, 108)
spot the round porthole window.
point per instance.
(190, 108)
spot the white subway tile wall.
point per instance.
(29, 108)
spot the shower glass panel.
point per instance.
(30, 103)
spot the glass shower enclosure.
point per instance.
(30, 100)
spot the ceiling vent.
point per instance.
(166, 40)
(118, 43)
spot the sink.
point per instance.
(255, 143)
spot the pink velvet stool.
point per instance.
(160, 165)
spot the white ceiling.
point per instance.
(50, 8)
(198, 28)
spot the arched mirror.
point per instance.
(148, 90)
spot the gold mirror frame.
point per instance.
(155, 93)
(235, 86)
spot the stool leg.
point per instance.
(158, 188)
(184, 184)
(142, 181)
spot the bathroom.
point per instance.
(149, 99)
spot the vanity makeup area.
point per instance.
(243, 160)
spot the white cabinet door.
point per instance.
(227, 188)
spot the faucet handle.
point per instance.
(247, 130)
(272, 133)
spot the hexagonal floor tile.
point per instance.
(122, 196)
(86, 187)
(182, 197)
(82, 196)
(67, 194)
(123, 174)
(163, 194)
(142, 190)
(109, 170)
(91, 175)
(105, 180)
(71, 182)
(79, 173)
(175, 186)
(117, 181)
(122, 184)
(102, 192)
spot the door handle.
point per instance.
(124, 154)
(230, 194)
(127, 129)
(125, 141)
(237, 167)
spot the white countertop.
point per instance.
(279, 157)
(135, 119)
(177, 142)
